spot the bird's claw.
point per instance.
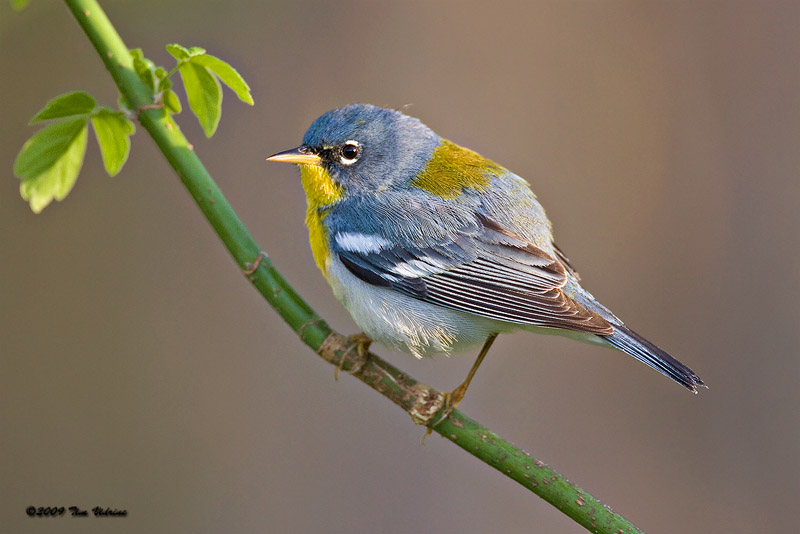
(451, 400)
(360, 343)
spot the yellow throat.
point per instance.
(321, 191)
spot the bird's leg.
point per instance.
(360, 342)
(454, 397)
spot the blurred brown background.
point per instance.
(141, 371)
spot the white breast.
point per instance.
(405, 323)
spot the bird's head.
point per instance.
(360, 149)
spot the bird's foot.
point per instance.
(359, 343)
(451, 400)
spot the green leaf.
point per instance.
(227, 74)
(204, 95)
(177, 51)
(41, 151)
(50, 161)
(66, 105)
(144, 69)
(113, 133)
(123, 103)
(196, 51)
(182, 53)
(19, 5)
(163, 80)
(171, 101)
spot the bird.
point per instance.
(433, 248)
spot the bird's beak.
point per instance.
(301, 154)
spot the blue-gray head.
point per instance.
(365, 148)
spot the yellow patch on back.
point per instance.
(321, 191)
(452, 169)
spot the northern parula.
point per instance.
(433, 248)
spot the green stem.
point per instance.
(175, 69)
(423, 403)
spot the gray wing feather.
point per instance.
(485, 270)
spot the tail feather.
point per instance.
(632, 343)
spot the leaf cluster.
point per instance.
(201, 74)
(50, 161)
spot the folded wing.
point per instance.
(483, 269)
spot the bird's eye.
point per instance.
(350, 152)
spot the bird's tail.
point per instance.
(632, 343)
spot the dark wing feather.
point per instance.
(487, 271)
(565, 261)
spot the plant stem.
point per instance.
(423, 403)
